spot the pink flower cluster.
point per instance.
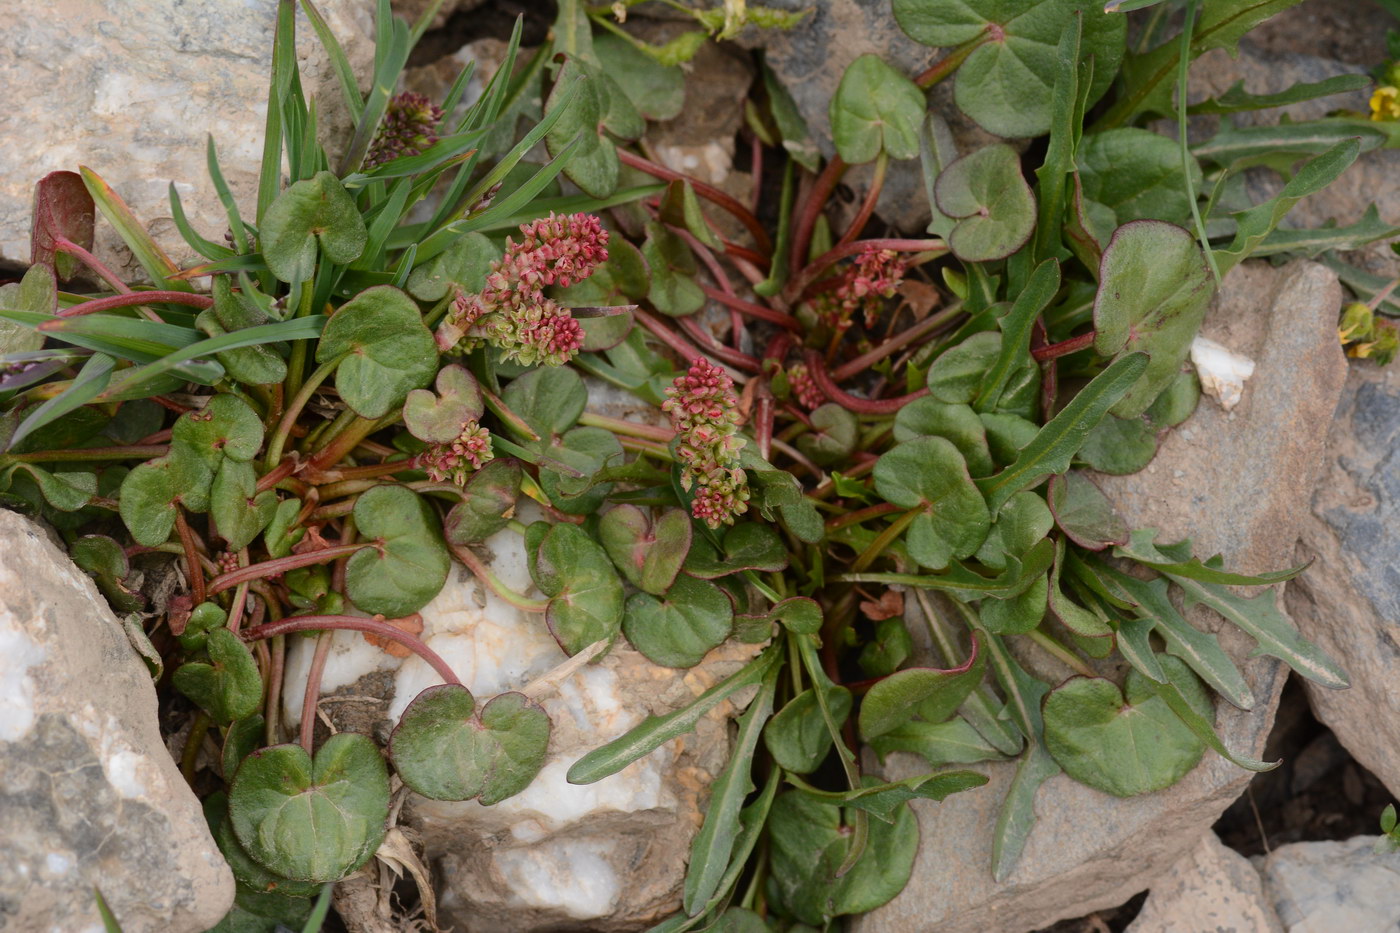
(459, 458)
(410, 126)
(804, 388)
(875, 276)
(512, 312)
(705, 413)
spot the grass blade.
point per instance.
(152, 258)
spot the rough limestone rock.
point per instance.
(1232, 483)
(89, 797)
(1212, 890)
(1327, 887)
(1349, 600)
(604, 856)
(132, 88)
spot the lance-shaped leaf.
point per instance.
(995, 207)
(1084, 513)
(931, 693)
(710, 851)
(1055, 445)
(447, 749)
(315, 210)
(1124, 743)
(648, 553)
(954, 742)
(1007, 83)
(929, 474)
(387, 350)
(883, 800)
(680, 628)
(439, 418)
(406, 563)
(1177, 559)
(312, 820)
(1202, 724)
(1017, 816)
(876, 108)
(1154, 287)
(585, 594)
(488, 502)
(229, 686)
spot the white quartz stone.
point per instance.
(1222, 372)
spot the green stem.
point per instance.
(1061, 653)
(493, 583)
(193, 741)
(1183, 67)
(293, 412)
(884, 539)
(296, 365)
(944, 67)
(627, 428)
(91, 454)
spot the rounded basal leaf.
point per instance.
(1125, 743)
(406, 563)
(239, 511)
(1133, 174)
(890, 648)
(229, 686)
(151, 491)
(488, 502)
(657, 91)
(679, 629)
(446, 749)
(1007, 83)
(1119, 446)
(649, 554)
(585, 594)
(593, 166)
(248, 873)
(1154, 287)
(797, 737)
(1020, 613)
(747, 546)
(876, 108)
(928, 417)
(388, 350)
(439, 418)
(243, 737)
(673, 289)
(604, 333)
(835, 437)
(36, 292)
(986, 190)
(312, 820)
(549, 399)
(810, 841)
(316, 209)
(225, 427)
(280, 536)
(956, 375)
(464, 265)
(586, 451)
(1022, 523)
(1007, 434)
(929, 474)
(1084, 513)
(931, 693)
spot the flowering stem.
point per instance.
(927, 326)
(376, 626)
(705, 191)
(812, 208)
(816, 366)
(752, 310)
(1065, 347)
(678, 343)
(493, 583)
(799, 285)
(137, 298)
(626, 428)
(289, 418)
(884, 539)
(278, 565)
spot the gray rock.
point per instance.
(1230, 481)
(131, 89)
(89, 797)
(1349, 600)
(1213, 889)
(1328, 887)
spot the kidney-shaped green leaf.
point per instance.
(312, 820)
(987, 191)
(406, 563)
(388, 350)
(929, 474)
(316, 209)
(447, 749)
(876, 108)
(679, 629)
(585, 594)
(229, 686)
(648, 553)
(931, 693)
(439, 418)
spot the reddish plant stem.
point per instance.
(811, 210)
(376, 626)
(1065, 347)
(763, 419)
(735, 303)
(679, 344)
(348, 532)
(278, 473)
(196, 571)
(136, 298)
(742, 254)
(708, 192)
(92, 262)
(736, 320)
(167, 404)
(368, 471)
(713, 346)
(278, 565)
(160, 437)
(312, 696)
(860, 515)
(798, 414)
(865, 406)
(945, 66)
(778, 347)
(276, 667)
(867, 207)
(922, 329)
